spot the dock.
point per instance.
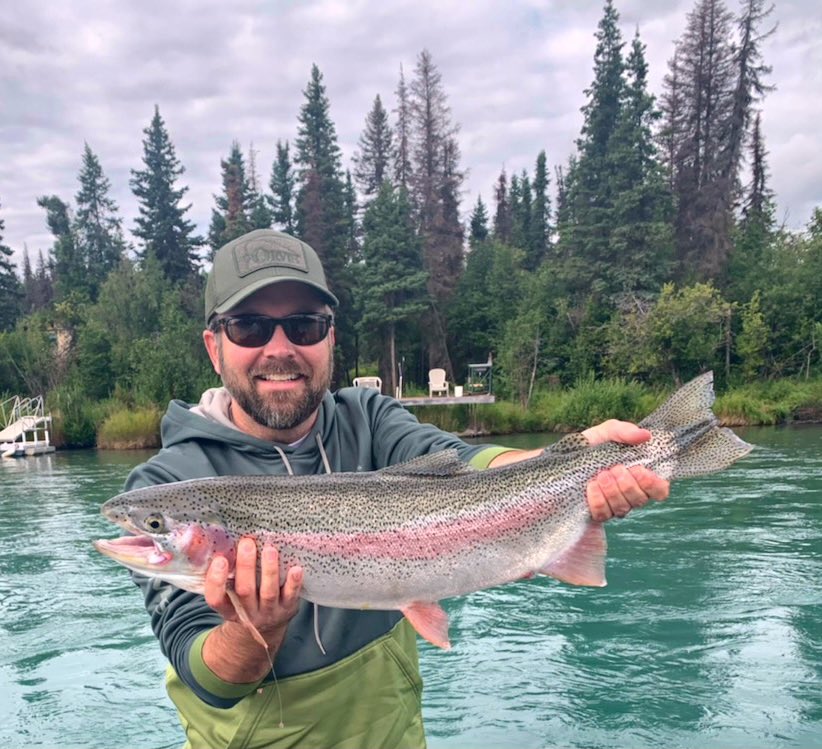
(449, 400)
(24, 427)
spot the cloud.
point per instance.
(515, 73)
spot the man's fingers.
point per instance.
(245, 574)
(654, 486)
(270, 576)
(292, 587)
(215, 586)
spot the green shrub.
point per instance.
(130, 429)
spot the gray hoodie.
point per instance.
(357, 430)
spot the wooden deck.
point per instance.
(464, 400)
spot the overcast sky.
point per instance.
(92, 70)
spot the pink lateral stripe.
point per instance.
(425, 540)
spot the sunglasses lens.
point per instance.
(250, 332)
(305, 330)
(254, 331)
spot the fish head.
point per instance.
(172, 544)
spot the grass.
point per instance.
(592, 401)
(130, 429)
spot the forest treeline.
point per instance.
(654, 253)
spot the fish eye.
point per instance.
(155, 522)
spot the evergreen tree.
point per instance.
(502, 216)
(70, 273)
(402, 153)
(752, 260)
(259, 213)
(282, 190)
(229, 219)
(165, 233)
(540, 228)
(585, 234)
(320, 205)
(372, 161)
(521, 205)
(10, 288)
(97, 227)
(641, 237)
(479, 223)
(393, 282)
(698, 115)
(436, 181)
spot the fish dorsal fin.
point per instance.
(570, 443)
(687, 407)
(440, 464)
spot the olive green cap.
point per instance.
(258, 259)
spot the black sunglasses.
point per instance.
(254, 331)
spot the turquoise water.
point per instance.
(709, 633)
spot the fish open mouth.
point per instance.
(134, 551)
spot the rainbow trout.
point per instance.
(407, 536)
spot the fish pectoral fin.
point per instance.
(243, 616)
(430, 622)
(584, 562)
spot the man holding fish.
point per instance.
(344, 677)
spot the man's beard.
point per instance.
(278, 411)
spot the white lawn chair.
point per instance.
(375, 383)
(437, 383)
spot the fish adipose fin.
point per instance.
(430, 621)
(584, 562)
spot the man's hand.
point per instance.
(615, 491)
(230, 650)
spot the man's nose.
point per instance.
(278, 343)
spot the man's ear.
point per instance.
(212, 347)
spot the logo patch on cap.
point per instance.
(263, 252)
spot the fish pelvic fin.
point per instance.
(430, 622)
(584, 562)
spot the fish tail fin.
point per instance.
(705, 446)
(718, 449)
(687, 407)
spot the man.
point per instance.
(344, 678)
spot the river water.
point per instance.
(709, 633)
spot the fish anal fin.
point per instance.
(430, 622)
(584, 562)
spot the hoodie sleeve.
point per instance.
(178, 617)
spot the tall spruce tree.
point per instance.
(320, 204)
(229, 219)
(282, 189)
(167, 237)
(478, 223)
(70, 272)
(436, 182)
(502, 215)
(372, 161)
(698, 115)
(393, 282)
(540, 220)
(98, 229)
(585, 232)
(10, 288)
(259, 212)
(641, 236)
(402, 140)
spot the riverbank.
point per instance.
(112, 425)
